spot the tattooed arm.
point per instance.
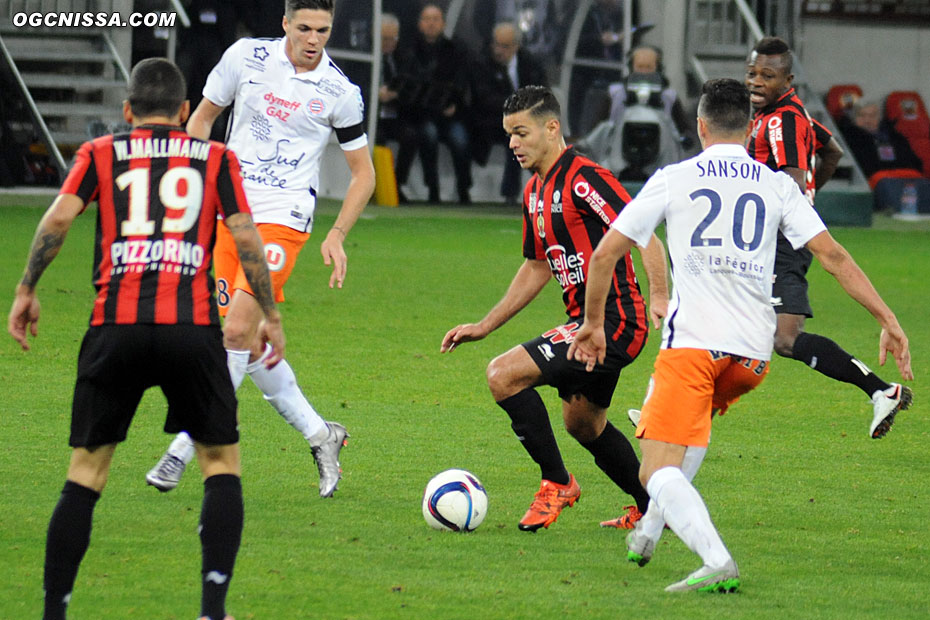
(49, 237)
(252, 258)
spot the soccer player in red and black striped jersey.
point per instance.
(784, 137)
(154, 320)
(567, 207)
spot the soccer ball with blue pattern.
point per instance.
(455, 500)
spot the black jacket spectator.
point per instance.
(874, 142)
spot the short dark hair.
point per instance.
(156, 88)
(539, 100)
(725, 105)
(292, 6)
(775, 46)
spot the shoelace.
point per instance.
(543, 499)
(171, 466)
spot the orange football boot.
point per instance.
(549, 501)
(626, 521)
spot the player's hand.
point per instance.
(589, 346)
(469, 332)
(894, 341)
(658, 310)
(334, 254)
(24, 315)
(271, 331)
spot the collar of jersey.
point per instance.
(569, 150)
(725, 150)
(780, 101)
(309, 76)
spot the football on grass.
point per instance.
(455, 500)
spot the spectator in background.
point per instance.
(406, 12)
(498, 75)
(394, 96)
(875, 144)
(601, 38)
(647, 60)
(440, 66)
(542, 24)
(200, 47)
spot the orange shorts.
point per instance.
(282, 245)
(688, 385)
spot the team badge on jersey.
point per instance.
(256, 61)
(316, 106)
(275, 256)
(541, 225)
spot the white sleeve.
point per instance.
(639, 218)
(799, 221)
(349, 120)
(223, 81)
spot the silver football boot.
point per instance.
(326, 456)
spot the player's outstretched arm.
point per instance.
(656, 266)
(838, 262)
(361, 186)
(252, 258)
(530, 279)
(49, 237)
(200, 124)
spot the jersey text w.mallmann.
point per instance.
(139, 148)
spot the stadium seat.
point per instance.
(906, 110)
(841, 98)
(894, 173)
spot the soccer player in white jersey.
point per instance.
(722, 211)
(289, 97)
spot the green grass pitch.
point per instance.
(823, 521)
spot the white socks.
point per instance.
(683, 509)
(652, 524)
(237, 362)
(279, 385)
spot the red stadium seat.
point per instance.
(841, 98)
(894, 173)
(907, 111)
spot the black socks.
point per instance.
(530, 421)
(828, 358)
(615, 456)
(220, 534)
(66, 542)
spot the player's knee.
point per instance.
(237, 335)
(583, 421)
(215, 460)
(498, 379)
(582, 430)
